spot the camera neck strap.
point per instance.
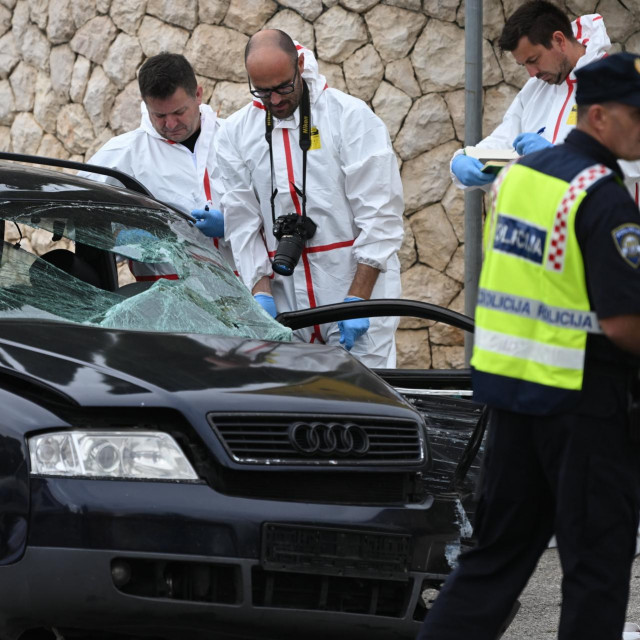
(305, 144)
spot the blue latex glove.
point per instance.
(530, 142)
(469, 171)
(210, 222)
(133, 236)
(351, 330)
(266, 302)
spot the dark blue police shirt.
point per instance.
(613, 282)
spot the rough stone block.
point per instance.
(436, 240)
(47, 103)
(74, 128)
(61, 25)
(98, 98)
(308, 9)
(26, 134)
(83, 11)
(394, 31)
(423, 178)
(249, 16)
(125, 114)
(123, 59)
(61, 61)
(79, 78)
(23, 85)
(38, 12)
(427, 125)
(5, 140)
(155, 37)
(217, 52)
(338, 34)
(212, 11)
(35, 48)
(412, 349)
(183, 14)
(392, 105)
(127, 15)
(408, 253)
(363, 72)
(7, 103)
(333, 74)
(94, 38)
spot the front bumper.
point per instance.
(180, 560)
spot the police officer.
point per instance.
(556, 342)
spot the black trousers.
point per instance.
(573, 475)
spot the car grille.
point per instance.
(298, 439)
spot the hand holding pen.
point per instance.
(530, 142)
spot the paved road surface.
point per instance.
(538, 615)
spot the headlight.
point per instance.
(150, 455)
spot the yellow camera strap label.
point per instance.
(315, 139)
(573, 115)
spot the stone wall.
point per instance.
(68, 83)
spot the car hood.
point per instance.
(91, 366)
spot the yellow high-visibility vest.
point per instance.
(533, 312)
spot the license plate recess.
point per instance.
(335, 551)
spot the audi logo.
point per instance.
(329, 438)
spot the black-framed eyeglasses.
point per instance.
(282, 90)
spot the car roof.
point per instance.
(22, 182)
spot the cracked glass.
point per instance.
(97, 264)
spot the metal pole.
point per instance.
(472, 135)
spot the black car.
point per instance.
(173, 465)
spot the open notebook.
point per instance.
(492, 159)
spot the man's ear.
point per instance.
(558, 38)
(301, 62)
(598, 116)
(199, 94)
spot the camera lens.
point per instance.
(287, 254)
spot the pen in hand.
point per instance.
(529, 142)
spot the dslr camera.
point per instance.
(291, 231)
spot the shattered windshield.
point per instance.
(122, 267)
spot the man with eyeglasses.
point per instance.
(342, 195)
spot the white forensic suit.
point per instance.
(553, 107)
(170, 171)
(354, 195)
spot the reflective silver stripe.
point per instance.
(536, 310)
(406, 391)
(528, 349)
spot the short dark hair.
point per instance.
(280, 40)
(538, 20)
(161, 75)
(582, 111)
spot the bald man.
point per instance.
(313, 213)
